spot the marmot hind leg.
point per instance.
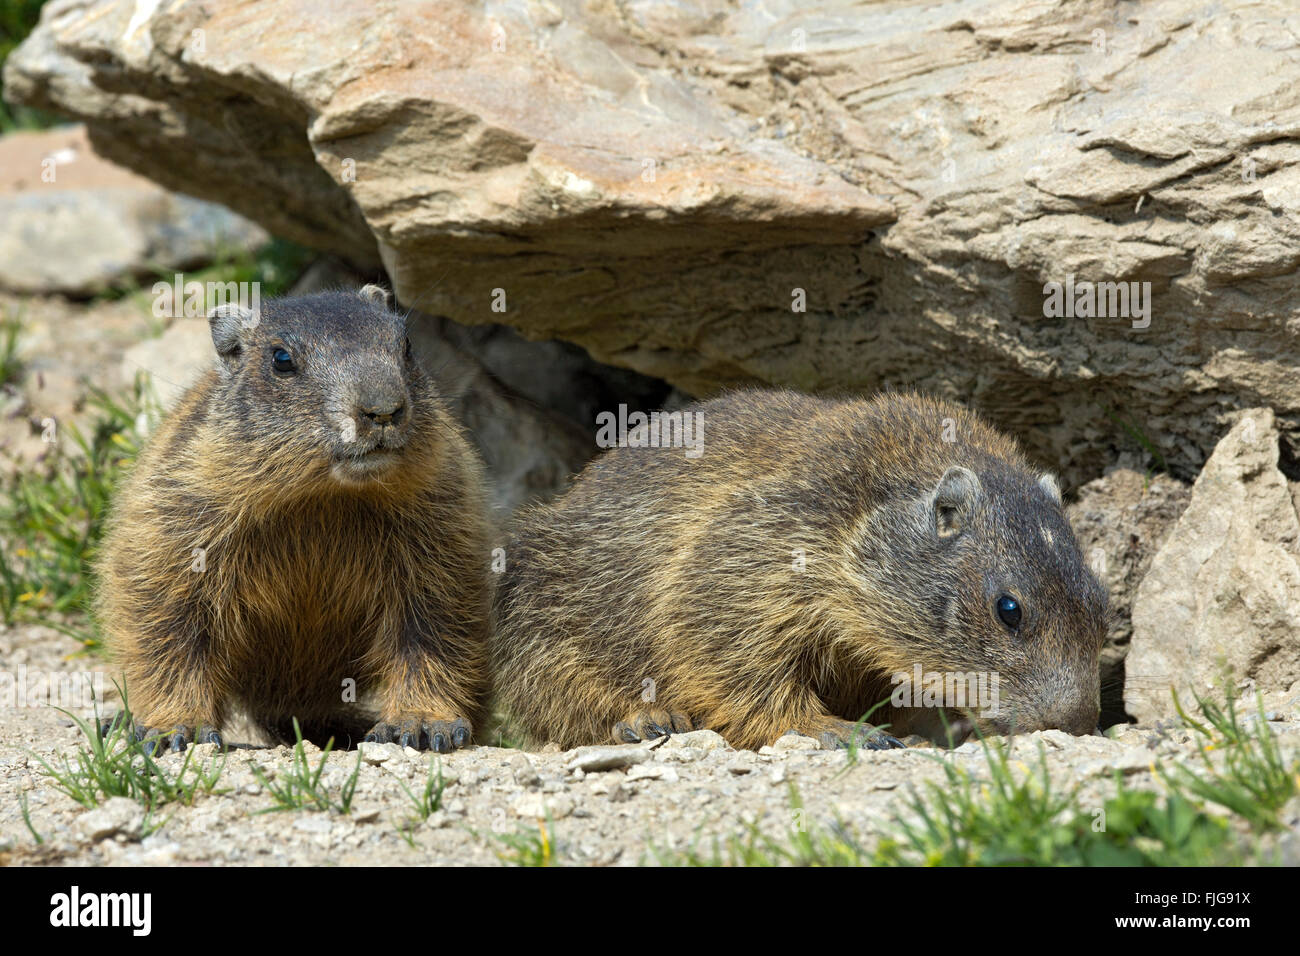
(649, 724)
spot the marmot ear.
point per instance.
(954, 500)
(1047, 481)
(227, 324)
(377, 294)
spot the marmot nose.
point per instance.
(389, 412)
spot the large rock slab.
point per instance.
(1222, 596)
(828, 194)
(72, 223)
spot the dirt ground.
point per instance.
(685, 791)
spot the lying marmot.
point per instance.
(308, 526)
(811, 563)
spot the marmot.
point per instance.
(307, 531)
(781, 580)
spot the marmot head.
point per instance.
(325, 386)
(986, 580)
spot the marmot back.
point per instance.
(780, 581)
(304, 537)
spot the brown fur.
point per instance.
(310, 579)
(658, 567)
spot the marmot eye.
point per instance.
(1008, 611)
(281, 360)
(408, 347)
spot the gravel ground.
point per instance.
(648, 798)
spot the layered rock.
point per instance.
(1221, 601)
(830, 195)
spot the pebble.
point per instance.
(117, 815)
(697, 739)
(653, 772)
(537, 806)
(595, 759)
(376, 753)
(524, 772)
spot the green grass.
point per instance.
(10, 366)
(429, 800)
(1020, 820)
(426, 803)
(17, 19)
(300, 787)
(27, 819)
(1253, 782)
(798, 845)
(275, 266)
(52, 517)
(1213, 815)
(117, 765)
(1140, 437)
(529, 846)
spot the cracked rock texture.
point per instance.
(1121, 520)
(1223, 593)
(828, 195)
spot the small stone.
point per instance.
(438, 820)
(1057, 739)
(619, 793)
(538, 806)
(682, 754)
(116, 815)
(699, 739)
(740, 769)
(594, 759)
(524, 772)
(653, 772)
(313, 823)
(790, 742)
(365, 814)
(377, 753)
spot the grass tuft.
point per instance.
(300, 787)
(118, 765)
(52, 519)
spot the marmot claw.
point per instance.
(440, 736)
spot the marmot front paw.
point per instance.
(175, 736)
(423, 733)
